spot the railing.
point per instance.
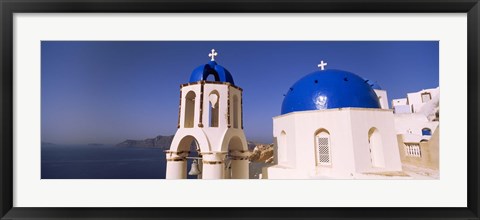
(413, 150)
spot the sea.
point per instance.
(108, 162)
(101, 162)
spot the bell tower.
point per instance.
(210, 117)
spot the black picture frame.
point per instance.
(9, 7)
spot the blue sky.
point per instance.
(109, 91)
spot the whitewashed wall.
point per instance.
(348, 130)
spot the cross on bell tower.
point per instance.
(212, 55)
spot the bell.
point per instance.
(194, 169)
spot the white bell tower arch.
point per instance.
(210, 113)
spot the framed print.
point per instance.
(215, 109)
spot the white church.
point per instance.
(333, 125)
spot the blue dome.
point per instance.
(219, 72)
(329, 89)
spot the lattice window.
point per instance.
(413, 150)
(323, 149)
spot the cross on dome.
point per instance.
(322, 65)
(212, 55)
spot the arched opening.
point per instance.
(189, 109)
(426, 132)
(235, 144)
(180, 166)
(190, 144)
(375, 148)
(213, 100)
(323, 148)
(282, 147)
(236, 166)
(212, 76)
(236, 110)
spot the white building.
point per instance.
(416, 102)
(416, 117)
(210, 114)
(416, 123)
(332, 126)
